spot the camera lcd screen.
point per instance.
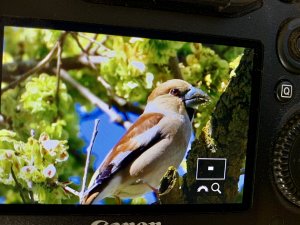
(163, 119)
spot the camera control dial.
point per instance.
(288, 45)
(286, 160)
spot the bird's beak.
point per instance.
(195, 97)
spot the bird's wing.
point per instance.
(143, 134)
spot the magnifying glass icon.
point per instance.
(215, 187)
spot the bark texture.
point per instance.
(225, 136)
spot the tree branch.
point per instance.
(104, 83)
(35, 69)
(88, 155)
(18, 185)
(90, 44)
(68, 189)
(114, 116)
(169, 190)
(174, 66)
(58, 67)
(225, 136)
(12, 71)
(100, 44)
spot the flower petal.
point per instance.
(49, 171)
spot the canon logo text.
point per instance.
(103, 222)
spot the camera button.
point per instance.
(288, 45)
(284, 91)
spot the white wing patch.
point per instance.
(146, 137)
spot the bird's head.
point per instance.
(177, 93)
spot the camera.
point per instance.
(150, 112)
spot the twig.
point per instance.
(100, 44)
(71, 190)
(92, 65)
(94, 51)
(18, 185)
(12, 71)
(31, 197)
(120, 101)
(35, 69)
(174, 66)
(90, 45)
(88, 155)
(75, 37)
(68, 189)
(114, 116)
(58, 67)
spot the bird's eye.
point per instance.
(175, 92)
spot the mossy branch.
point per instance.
(225, 136)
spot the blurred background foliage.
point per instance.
(39, 143)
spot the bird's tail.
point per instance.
(89, 199)
(98, 192)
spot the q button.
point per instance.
(284, 91)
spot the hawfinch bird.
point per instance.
(156, 141)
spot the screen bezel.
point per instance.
(256, 45)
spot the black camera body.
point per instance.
(275, 25)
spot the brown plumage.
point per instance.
(143, 123)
